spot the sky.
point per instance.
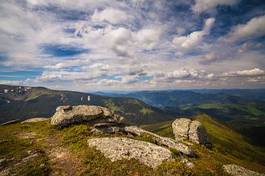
(89, 45)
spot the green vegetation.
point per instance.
(228, 147)
(18, 139)
(146, 111)
(111, 105)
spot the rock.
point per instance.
(236, 170)
(192, 130)
(187, 163)
(32, 120)
(10, 122)
(2, 162)
(181, 128)
(198, 134)
(118, 148)
(163, 141)
(66, 115)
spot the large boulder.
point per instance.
(66, 115)
(235, 170)
(192, 130)
(118, 148)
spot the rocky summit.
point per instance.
(118, 148)
(66, 115)
(192, 130)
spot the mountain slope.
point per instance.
(17, 102)
(228, 145)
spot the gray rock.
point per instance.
(181, 128)
(192, 130)
(163, 141)
(198, 134)
(187, 163)
(32, 120)
(2, 162)
(236, 170)
(10, 122)
(66, 115)
(118, 148)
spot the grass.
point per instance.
(15, 149)
(229, 147)
(146, 111)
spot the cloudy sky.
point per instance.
(91, 45)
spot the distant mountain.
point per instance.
(242, 109)
(18, 102)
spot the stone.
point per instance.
(163, 141)
(2, 161)
(236, 170)
(192, 130)
(66, 115)
(10, 122)
(198, 134)
(119, 148)
(187, 163)
(32, 120)
(181, 128)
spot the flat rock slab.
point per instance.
(32, 120)
(118, 148)
(236, 170)
(163, 141)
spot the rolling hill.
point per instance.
(18, 102)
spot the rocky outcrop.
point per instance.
(32, 120)
(118, 148)
(66, 115)
(235, 170)
(192, 130)
(163, 141)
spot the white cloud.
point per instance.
(148, 37)
(252, 29)
(114, 16)
(193, 38)
(204, 5)
(251, 72)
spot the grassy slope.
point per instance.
(228, 146)
(73, 141)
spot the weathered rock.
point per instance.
(66, 115)
(236, 170)
(198, 134)
(10, 122)
(163, 141)
(32, 120)
(181, 128)
(192, 130)
(118, 148)
(187, 163)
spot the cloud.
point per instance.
(114, 16)
(245, 73)
(194, 38)
(204, 5)
(254, 28)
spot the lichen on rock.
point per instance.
(119, 148)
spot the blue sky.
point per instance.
(89, 45)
